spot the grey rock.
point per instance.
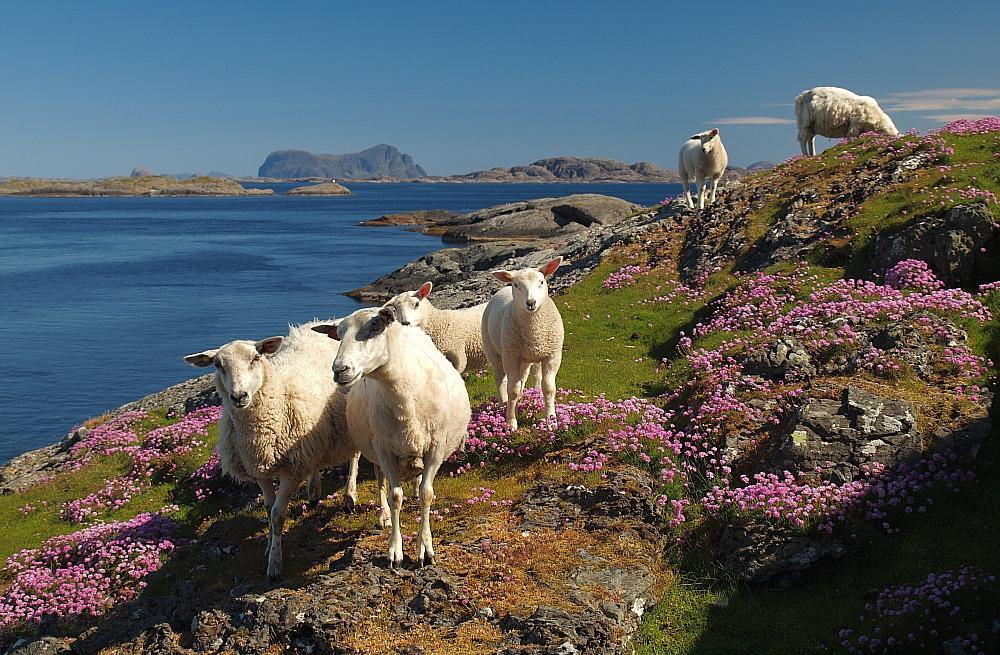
(759, 553)
(43, 646)
(840, 436)
(782, 359)
(547, 217)
(948, 241)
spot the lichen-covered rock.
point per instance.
(782, 359)
(949, 241)
(840, 436)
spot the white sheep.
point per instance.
(836, 113)
(408, 409)
(702, 157)
(521, 327)
(457, 333)
(283, 418)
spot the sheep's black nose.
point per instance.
(531, 304)
(239, 398)
(404, 322)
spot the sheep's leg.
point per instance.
(315, 488)
(687, 192)
(267, 496)
(536, 374)
(384, 513)
(351, 491)
(286, 488)
(395, 531)
(499, 376)
(715, 185)
(701, 192)
(549, 369)
(516, 373)
(425, 554)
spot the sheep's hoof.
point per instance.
(427, 560)
(349, 503)
(274, 578)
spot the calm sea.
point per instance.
(101, 297)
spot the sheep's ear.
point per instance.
(714, 132)
(425, 290)
(386, 315)
(202, 359)
(551, 267)
(329, 329)
(504, 276)
(269, 346)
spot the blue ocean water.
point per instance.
(101, 297)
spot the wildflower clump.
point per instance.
(85, 573)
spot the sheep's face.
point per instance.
(529, 285)
(363, 344)
(239, 368)
(410, 306)
(708, 140)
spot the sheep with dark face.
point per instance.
(837, 113)
(283, 419)
(702, 157)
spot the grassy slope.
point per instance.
(614, 345)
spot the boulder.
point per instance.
(782, 359)
(759, 553)
(547, 217)
(949, 241)
(840, 436)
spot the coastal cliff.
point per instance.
(378, 161)
(774, 425)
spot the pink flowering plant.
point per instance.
(950, 611)
(86, 573)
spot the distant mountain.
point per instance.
(761, 166)
(378, 161)
(574, 169)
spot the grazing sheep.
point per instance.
(836, 113)
(522, 327)
(408, 409)
(283, 418)
(702, 157)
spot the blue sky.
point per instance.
(93, 90)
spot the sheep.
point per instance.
(283, 418)
(457, 333)
(702, 157)
(834, 112)
(408, 409)
(522, 326)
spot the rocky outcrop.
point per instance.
(425, 220)
(464, 273)
(378, 161)
(330, 188)
(949, 241)
(149, 185)
(758, 553)
(594, 608)
(547, 217)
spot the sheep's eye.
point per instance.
(218, 365)
(256, 358)
(416, 304)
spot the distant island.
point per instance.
(375, 162)
(330, 188)
(144, 185)
(385, 163)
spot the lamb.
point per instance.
(702, 157)
(283, 418)
(457, 333)
(834, 112)
(408, 409)
(522, 326)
